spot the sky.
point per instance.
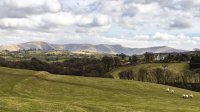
(130, 23)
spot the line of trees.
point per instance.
(161, 76)
(90, 67)
(187, 79)
(176, 58)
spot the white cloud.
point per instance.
(87, 21)
(152, 8)
(93, 20)
(58, 19)
(17, 23)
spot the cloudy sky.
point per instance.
(131, 23)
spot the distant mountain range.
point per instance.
(101, 48)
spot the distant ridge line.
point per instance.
(101, 48)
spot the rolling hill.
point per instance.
(101, 48)
(179, 68)
(31, 91)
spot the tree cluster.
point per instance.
(176, 58)
(90, 67)
(195, 62)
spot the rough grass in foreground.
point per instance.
(30, 91)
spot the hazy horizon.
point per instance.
(86, 44)
(130, 23)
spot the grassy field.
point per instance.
(30, 91)
(175, 67)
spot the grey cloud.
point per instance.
(170, 4)
(19, 13)
(180, 24)
(130, 12)
(187, 4)
(135, 1)
(22, 8)
(163, 3)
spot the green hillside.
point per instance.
(175, 67)
(30, 91)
